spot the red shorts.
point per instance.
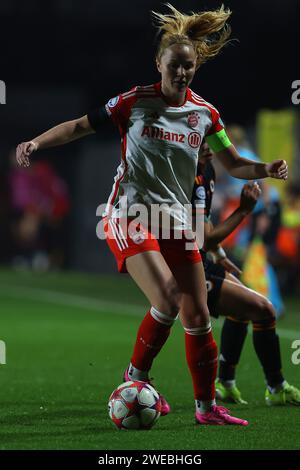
(127, 238)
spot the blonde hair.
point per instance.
(207, 31)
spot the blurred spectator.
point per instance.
(39, 203)
(269, 204)
(288, 240)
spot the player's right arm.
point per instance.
(218, 233)
(116, 109)
(62, 134)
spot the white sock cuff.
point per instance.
(137, 374)
(204, 406)
(201, 330)
(162, 317)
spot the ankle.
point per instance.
(227, 383)
(276, 388)
(203, 406)
(137, 374)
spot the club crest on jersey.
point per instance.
(193, 119)
(113, 102)
(138, 237)
(136, 233)
(209, 286)
(199, 180)
(200, 192)
(194, 139)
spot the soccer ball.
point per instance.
(134, 405)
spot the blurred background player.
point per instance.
(228, 296)
(161, 127)
(262, 227)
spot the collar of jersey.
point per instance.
(157, 87)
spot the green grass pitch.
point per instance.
(68, 339)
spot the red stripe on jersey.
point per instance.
(216, 125)
(129, 91)
(197, 96)
(139, 90)
(215, 116)
(200, 100)
(140, 95)
(120, 115)
(115, 191)
(145, 87)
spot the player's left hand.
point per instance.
(249, 196)
(229, 266)
(277, 169)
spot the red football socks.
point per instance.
(202, 359)
(152, 335)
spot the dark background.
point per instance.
(106, 47)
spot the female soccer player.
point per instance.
(162, 127)
(228, 296)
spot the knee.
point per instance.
(264, 310)
(197, 318)
(169, 299)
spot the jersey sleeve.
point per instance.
(97, 117)
(117, 109)
(216, 137)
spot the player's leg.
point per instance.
(153, 276)
(137, 251)
(239, 304)
(232, 336)
(201, 349)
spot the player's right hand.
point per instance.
(24, 151)
(249, 196)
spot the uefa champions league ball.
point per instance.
(134, 405)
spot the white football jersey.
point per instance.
(160, 145)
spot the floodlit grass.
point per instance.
(69, 338)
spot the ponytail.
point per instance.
(206, 31)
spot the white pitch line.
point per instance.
(71, 300)
(89, 303)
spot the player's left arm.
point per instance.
(236, 165)
(242, 168)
